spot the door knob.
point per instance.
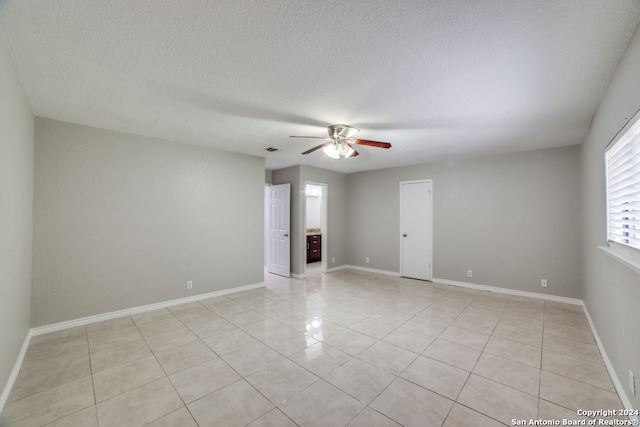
(404, 235)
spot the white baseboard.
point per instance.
(622, 392)
(140, 309)
(516, 292)
(371, 270)
(15, 371)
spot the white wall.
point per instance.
(611, 291)
(122, 221)
(16, 218)
(510, 218)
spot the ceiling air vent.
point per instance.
(271, 149)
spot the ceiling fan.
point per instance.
(341, 142)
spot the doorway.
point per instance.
(316, 226)
(416, 229)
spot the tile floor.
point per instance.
(347, 348)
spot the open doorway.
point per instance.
(316, 229)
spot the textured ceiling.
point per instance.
(439, 79)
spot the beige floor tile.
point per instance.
(388, 357)
(185, 356)
(320, 358)
(576, 349)
(84, 418)
(43, 373)
(112, 339)
(139, 406)
(160, 326)
(454, 354)
(273, 418)
(436, 376)
(230, 341)
(369, 418)
(551, 411)
(121, 378)
(59, 344)
(508, 372)
(577, 368)
(210, 328)
(497, 401)
(528, 309)
(290, 342)
(523, 353)
(110, 325)
(252, 359)
(359, 330)
(345, 318)
(52, 404)
(281, 380)
(351, 342)
(465, 337)
(570, 332)
(519, 335)
(321, 405)
(198, 381)
(119, 354)
(574, 394)
(179, 418)
(373, 327)
(237, 404)
(168, 340)
(522, 322)
(425, 326)
(409, 339)
(360, 379)
(244, 319)
(411, 405)
(463, 416)
(323, 329)
(442, 314)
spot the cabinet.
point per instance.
(314, 244)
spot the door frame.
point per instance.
(430, 224)
(267, 216)
(324, 242)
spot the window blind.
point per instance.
(623, 188)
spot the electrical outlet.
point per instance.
(469, 273)
(632, 382)
(543, 283)
(189, 284)
(366, 260)
(333, 260)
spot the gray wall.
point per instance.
(122, 221)
(297, 176)
(510, 218)
(16, 218)
(611, 291)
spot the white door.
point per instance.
(416, 235)
(278, 219)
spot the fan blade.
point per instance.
(372, 143)
(311, 150)
(315, 137)
(348, 131)
(355, 152)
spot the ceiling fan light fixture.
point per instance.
(331, 151)
(343, 149)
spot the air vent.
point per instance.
(271, 149)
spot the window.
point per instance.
(623, 186)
